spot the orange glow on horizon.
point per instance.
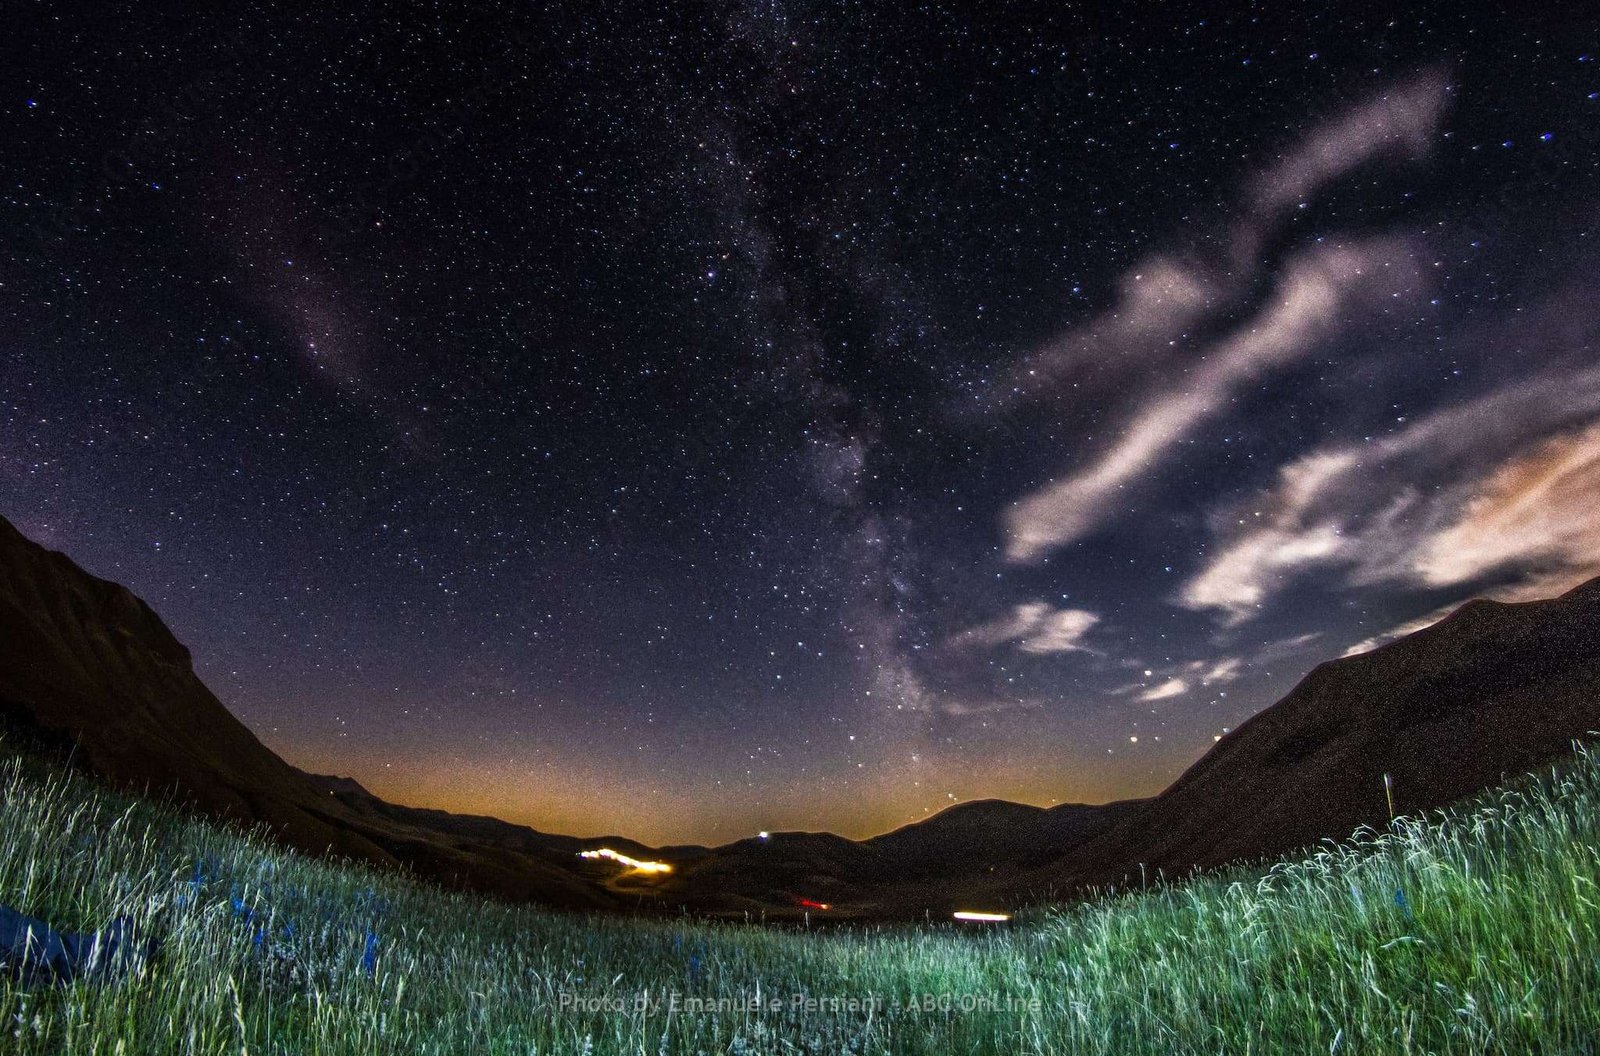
(595, 803)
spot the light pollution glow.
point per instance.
(587, 798)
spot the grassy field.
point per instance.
(1477, 931)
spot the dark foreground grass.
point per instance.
(1471, 932)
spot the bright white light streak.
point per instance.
(632, 863)
(988, 918)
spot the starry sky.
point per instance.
(682, 421)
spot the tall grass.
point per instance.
(1470, 932)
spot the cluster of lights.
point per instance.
(632, 863)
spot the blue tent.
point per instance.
(36, 953)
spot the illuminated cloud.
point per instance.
(1513, 491)
(1421, 623)
(1321, 289)
(1208, 672)
(1060, 631)
(1237, 581)
(1239, 577)
(1136, 344)
(1165, 295)
(1175, 681)
(1400, 123)
(1036, 628)
(1539, 511)
(1156, 301)
(1172, 687)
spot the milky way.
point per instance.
(689, 422)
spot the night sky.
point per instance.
(692, 421)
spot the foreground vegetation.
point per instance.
(1475, 931)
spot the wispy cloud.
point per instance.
(1035, 627)
(1060, 632)
(1539, 511)
(1209, 672)
(1144, 345)
(1507, 484)
(1172, 687)
(1321, 290)
(1399, 123)
(1167, 295)
(1169, 681)
(1237, 578)
(1421, 623)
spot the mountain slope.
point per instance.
(1490, 692)
(84, 662)
(88, 668)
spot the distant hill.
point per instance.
(926, 868)
(1490, 692)
(973, 836)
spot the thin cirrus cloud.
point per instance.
(1398, 123)
(1166, 295)
(1319, 293)
(1035, 627)
(1227, 669)
(1175, 682)
(1506, 485)
(1172, 687)
(1321, 290)
(1421, 623)
(1295, 534)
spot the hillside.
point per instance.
(1491, 691)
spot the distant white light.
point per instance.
(987, 918)
(764, 834)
